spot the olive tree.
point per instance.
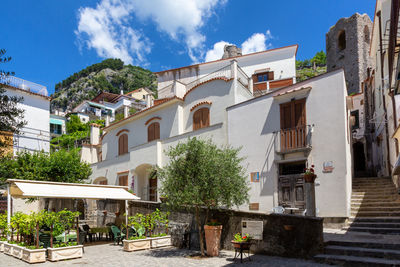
(201, 175)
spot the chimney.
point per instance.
(148, 100)
(126, 112)
(231, 51)
(94, 134)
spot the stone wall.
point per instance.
(354, 58)
(303, 239)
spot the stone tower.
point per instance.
(347, 47)
(231, 51)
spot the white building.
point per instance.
(107, 106)
(216, 100)
(35, 135)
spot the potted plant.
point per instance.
(202, 177)
(62, 222)
(213, 232)
(241, 241)
(309, 175)
(160, 222)
(19, 223)
(3, 230)
(33, 253)
(139, 240)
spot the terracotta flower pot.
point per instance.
(213, 239)
(310, 177)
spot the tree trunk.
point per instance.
(200, 231)
(37, 235)
(51, 236)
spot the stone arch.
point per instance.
(145, 186)
(341, 40)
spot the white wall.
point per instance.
(36, 133)
(326, 110)
(282, 61)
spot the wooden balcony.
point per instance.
(293, 139)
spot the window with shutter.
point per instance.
(123, 180)
(153, 131)
(201, 118)
(123, 144)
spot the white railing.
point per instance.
(24, 85)
(224, 72)
(165, 91)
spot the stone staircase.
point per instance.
(372, 237)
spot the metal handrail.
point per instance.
(23, 84)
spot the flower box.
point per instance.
(34, 255)
(138, 244)
(2, 246)
(17, 251)
(241, 245)
(161, 241)
(8, 248)
(65, 253)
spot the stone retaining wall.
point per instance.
(304, 237)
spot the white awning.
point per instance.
(29, 188)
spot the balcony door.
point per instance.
(293, 124)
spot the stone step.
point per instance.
(372, 186)
(363, 252)
(375, 213)
(377, 224)
(365, 244)
(375, 204)
(375, 193)
(377, 208)
(374, 230)
(386, 219)
(382, 199)
(354, 260)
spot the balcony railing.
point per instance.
(293, 139)
(224, 72)
(23, 84)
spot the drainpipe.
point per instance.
(234, 75)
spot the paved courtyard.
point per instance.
(110, 255)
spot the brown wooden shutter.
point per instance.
(196, 120)
(270, 75)
(150, 133)
(156, 130)
(123, 180)
(205, 118)
(104, 182)
(123, 144)
(120, 145)
(126, 143)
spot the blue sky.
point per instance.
(50, 40)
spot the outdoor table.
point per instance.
(292, 209)
(65, 237)
(240, 248)
(99, 231)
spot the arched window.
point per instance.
(342, 40)
(153, 131)
(123, 144)
(201, 118)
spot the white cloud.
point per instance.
(217, 51)
(255, 43)
(108, 30)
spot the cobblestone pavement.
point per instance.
(110, 255)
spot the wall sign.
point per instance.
(253, 229)
(327, 167)
(255, 176)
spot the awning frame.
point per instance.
(14, 191)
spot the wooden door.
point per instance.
(291, 186)
(123, 180)
(153, 189)
(293, 124)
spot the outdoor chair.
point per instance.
(118, 236)
(86, 228)
(44, 240)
